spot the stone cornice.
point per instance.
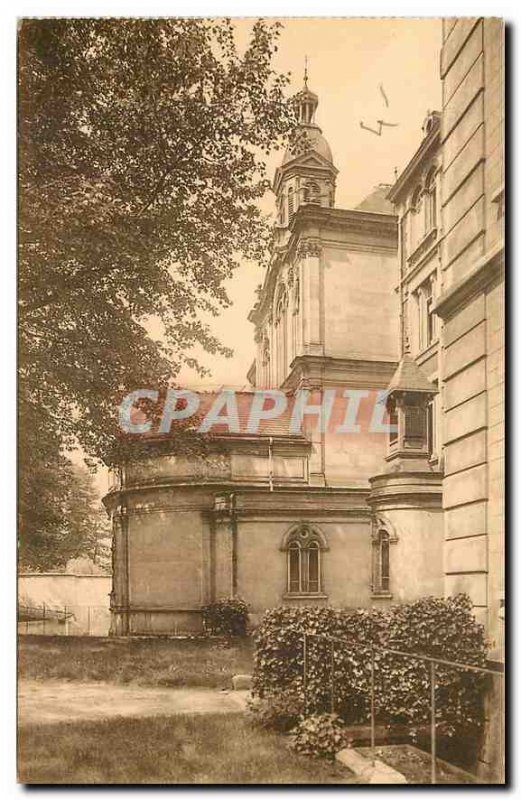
(311, 371)
(406, 490)
(484, 272)
(358, 220)
(252, 499)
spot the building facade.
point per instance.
(471, 310)
(396, 304)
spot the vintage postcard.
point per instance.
(261, 400)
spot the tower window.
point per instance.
(314, 193)
(290, 202)
(381, 563)
(393, 422)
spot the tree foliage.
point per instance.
(141, 164)
(60, 514)
(142, 147)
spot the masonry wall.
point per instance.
(472, 307)
(472, 355)
(362, 319)
(262, 574)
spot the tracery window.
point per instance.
(304, 548)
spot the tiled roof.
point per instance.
(409, 377)
(278, 426)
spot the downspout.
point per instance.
(270, 462)
(233, 525)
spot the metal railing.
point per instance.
(63, 620)
(428, 660)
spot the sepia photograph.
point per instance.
(260, 400)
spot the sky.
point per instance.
(348, 60)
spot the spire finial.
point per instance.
(306, 71)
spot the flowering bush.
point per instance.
(227, 617)
(437, 627)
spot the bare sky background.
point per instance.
(348, 60)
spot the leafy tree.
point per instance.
(141, 164)
(142, 149)
(60, 514)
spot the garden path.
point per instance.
(62, 701)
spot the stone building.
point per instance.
(395, 304)
(313, 508)
(470, 308)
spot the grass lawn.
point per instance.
(205, 749)
(147, 662)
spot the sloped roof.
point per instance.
(278, 426)
(377, 200)
(409, 378)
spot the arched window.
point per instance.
(281, 355)
(431, 202)
(416, 200)
(381, 565)
(417, 219)
(304, 546)
(295, 319)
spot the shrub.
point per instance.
(437, 627)
(227, 617)
(319, 735)
(280, 711)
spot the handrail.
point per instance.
(420, 656)
(372, 648)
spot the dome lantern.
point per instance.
(307, 173)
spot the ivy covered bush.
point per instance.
(228, 617)
(320, 735)
(437, 627)
(280, 711)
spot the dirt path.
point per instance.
(60, 701)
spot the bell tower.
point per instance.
(307, 174)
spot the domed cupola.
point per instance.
(307, 174)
